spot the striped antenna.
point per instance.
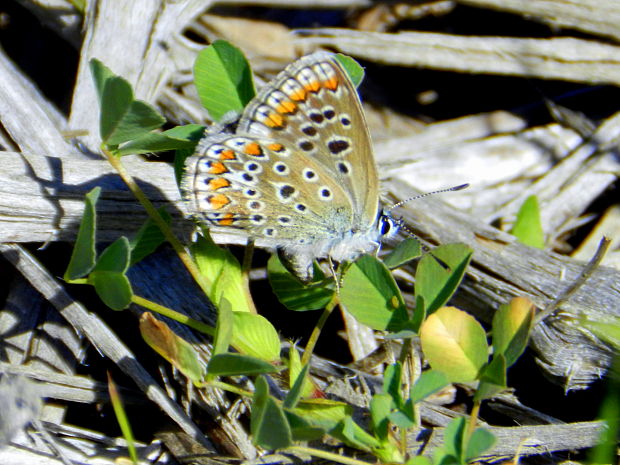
(403, 227)
(449, 189)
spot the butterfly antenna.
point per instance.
(403, 227)
(449, 189)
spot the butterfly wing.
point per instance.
(313, 108)
(250, 185)
(299, 171)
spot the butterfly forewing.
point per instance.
(314, 110)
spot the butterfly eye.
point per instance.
(386, 225)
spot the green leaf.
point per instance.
(148, 238)
(223, 79)
(295, 394)
(309, 388)
(447, 460)
(371, 295)
(454, 343)
(605, 450)
(453, 439)
(380, 407)
(84, 254)
(429, 383)
(480, 441)
(181, 155)
(115, 98)
(222, 270)
(235, 364)
(492, 379)
(352, 68)
(223, 328)
(100, 73)
(403, 419)
(419, 314)
(188, 132)
(392, 382)
(440, 273)
(254, 335)
(302, 429)
(511, 328)
(323, 413)
(174, 349)
(352, 434)
(293, 293)
(419, 460)
(181, 137)
(108, 275)
(404, 252)
(606, 327)
(121, 117)
(113, 288)
(115, 257)
(268, 423)
(138, 119)
(528, 228)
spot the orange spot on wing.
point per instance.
(218, 201)
(312, 86)
(218, 183)
(226, 220)
(275, 147)
(274, 120)
(331, 83)
(227, 155)
(252, 148)
(286, 107)
(298, 95)
(217, 167)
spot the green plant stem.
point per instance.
(326, 455)
(410, 362)
(316, 332)
(228, 387)
(121, 418)
(176, 316)
(245, 274)
(159, 221)
(473, 420)
(416, 372)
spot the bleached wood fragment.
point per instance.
(491, 152)
(561, 58)
(300, 3)
(598, 17)
(30, 120)
(42, 198)
(573, 184)
(607, 226)
(59, 15)
(256, 38)
(100, 335)
(524, 440)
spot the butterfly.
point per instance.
(298, 174)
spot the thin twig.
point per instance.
(581, 279)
